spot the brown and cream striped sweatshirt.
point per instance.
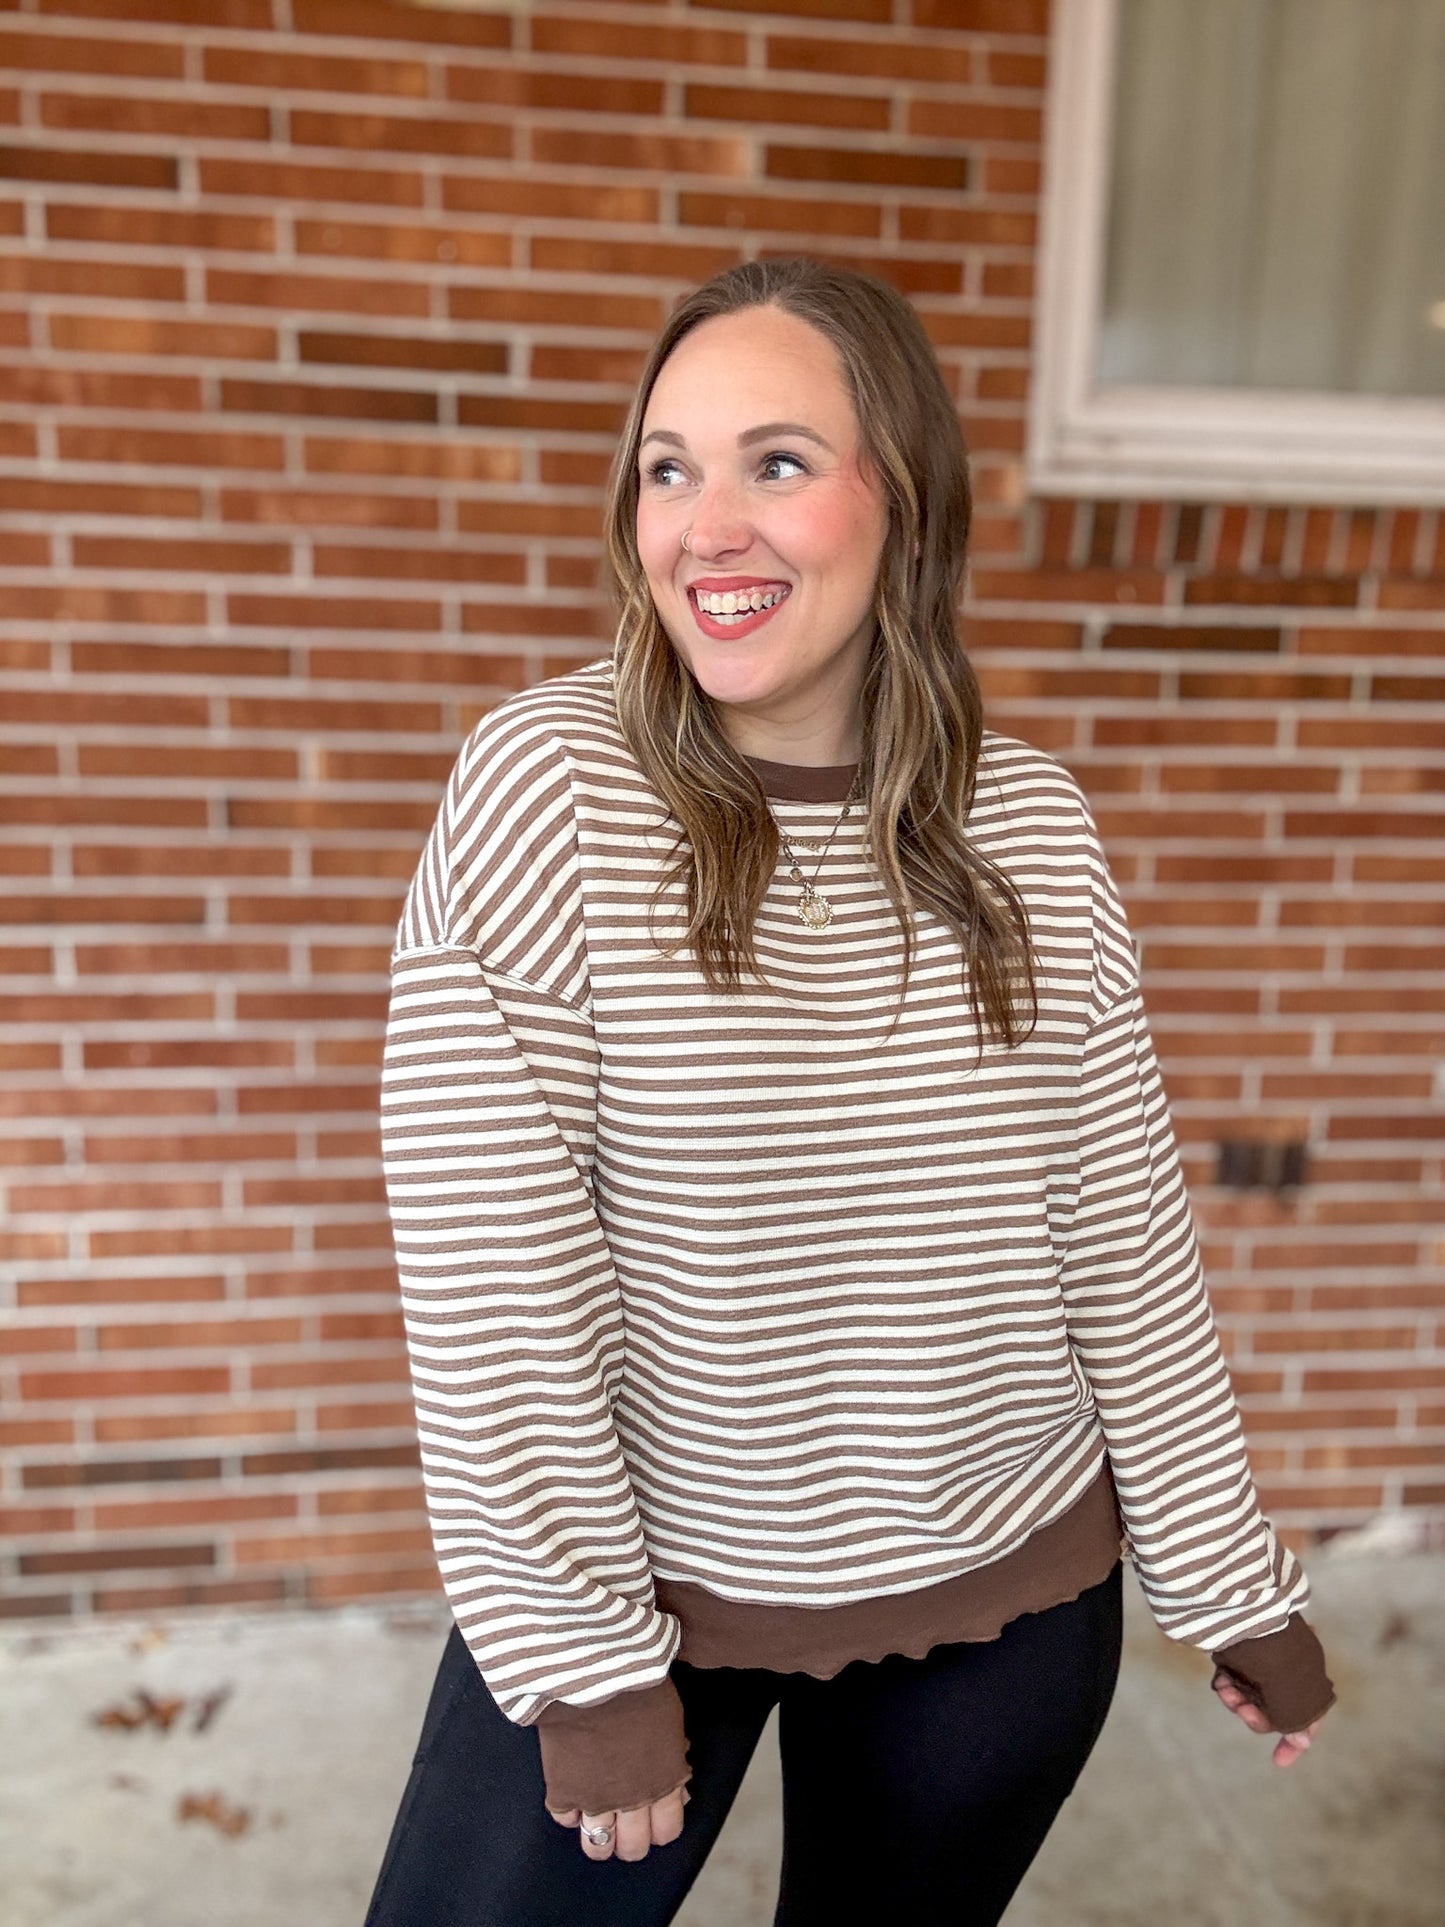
(739, 1314)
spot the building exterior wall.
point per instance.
(317, 322)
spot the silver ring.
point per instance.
(685, 534)
(599, 1836)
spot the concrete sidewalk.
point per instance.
(264, 1797)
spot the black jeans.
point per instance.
(914, 1790)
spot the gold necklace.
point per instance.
(812, 906)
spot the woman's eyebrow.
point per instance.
(749, 435)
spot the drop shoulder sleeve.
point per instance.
(1142, 1328)
(513, 1321)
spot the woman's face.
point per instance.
(750, 446)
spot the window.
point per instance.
(1243, 266)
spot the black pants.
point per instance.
(915, 1791)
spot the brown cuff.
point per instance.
(1283, 1674)
(625, 1752)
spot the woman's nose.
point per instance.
(719, 525)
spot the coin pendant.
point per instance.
(815, 911)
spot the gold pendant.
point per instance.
(815, 911)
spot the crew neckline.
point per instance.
(804, 782)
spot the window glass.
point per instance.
(1276, 213)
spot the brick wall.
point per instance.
(317, 319)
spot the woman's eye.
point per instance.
(778, 468)
(664, 473)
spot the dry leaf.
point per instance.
(1395, 1628)
(212, 1807)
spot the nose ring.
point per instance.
(685, 543)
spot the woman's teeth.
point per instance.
(737, 605)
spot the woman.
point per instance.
(801, 1290)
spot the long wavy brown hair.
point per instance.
(922, 710)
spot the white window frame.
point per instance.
(1179, 442)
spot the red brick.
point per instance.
(283, 182)
(532, 200)
(96, 1382)
(1317, 592)
(790, 107)
(975, 120)
(882, 167)
(428, 133)
(453, 667)
(229, 1421)
(161, 1515)
(400, 351)
(288, 73)
(116, 1558)
(59, 706)
(940, 62)
(387, 241)
(316, 293)
(219, 1147)
(177, 764)
(227, 1592)
(230, 1334)
(243, 14)
(75, 908)
(780, 214)
(111, 280)
(327, 508)
(983, 16)
(384, 20)
(330, 612)
(181, 119)
(969, 226)
(146, 1290)
(169, 447)
(306, 399)
(521, 305)
(39, 497)
(181, 557)
(555, 254)
(21, 1341)
(307, 714)
(416, 563)
(498, 85)
(145, 335)
(159, 59)
(99, 388)
(154, 227)
(452, 458)
(877, 11)
(647, 153)
(530, 518)
(592, 39)
(181, 1053)
(209, 1240)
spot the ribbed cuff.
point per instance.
(625, 1752)
(1283, 1674)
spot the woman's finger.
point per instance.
(666, 1817)
(633, 1830)
(592, 1849)
(570, 1818)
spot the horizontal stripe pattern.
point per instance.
(761, 1290)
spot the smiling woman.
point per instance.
(802, 1297)
(784, 517)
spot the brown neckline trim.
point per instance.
(799, 783)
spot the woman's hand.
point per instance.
(1291, 1745)
(634, 1829)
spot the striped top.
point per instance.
(744, 1290)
